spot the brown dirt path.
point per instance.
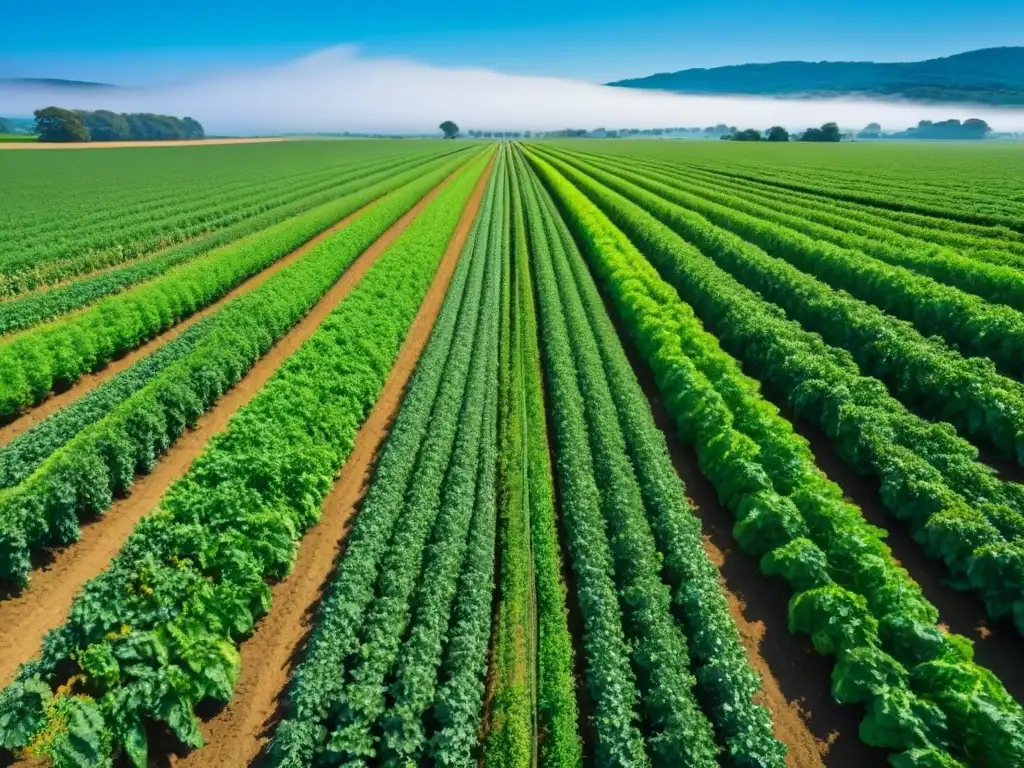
(25, 619)
(89, 381)
(127, 144)
(238, 733)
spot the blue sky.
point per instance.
(138, 42)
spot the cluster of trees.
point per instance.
(926, 129)
(501, 134)
(74, 125)
(775, 133)
(972, 128)
(603, 133)
(827, 132)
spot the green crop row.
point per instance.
(663, 526)
(998, 283)
(924, 697)
(956, 507)
(944, 183)
(33, 362)
(404, 627)
(511, 718)
(156, 634)
(225, 209)
(893, 229)
(975, 326)
(457, 703)
(31, 309)
(99, 462)
(980, 210)
(726, 684)
(123, 206)
(23, 455)
(425, 426)
(610, 678)
(534, 713)
(927, 375)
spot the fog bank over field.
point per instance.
(338, 89)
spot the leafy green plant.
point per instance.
(767, 478)
(193, 577)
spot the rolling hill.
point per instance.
(990, 76)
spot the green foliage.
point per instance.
(611, 681)
(23, 455)
(827, 132)
(403, 629)
(98, 461)
(511, 725)
(193, 577)
(35, 361)
(724, 679)
(884, 608)
(958, 509)
(438, 383)
(113, 211)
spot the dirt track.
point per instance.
(25, 619)
(126, 144)
(237, 734)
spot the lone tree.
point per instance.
(451, 130)
(777, 133)
(63, 125)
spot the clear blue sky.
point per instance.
(133, 42)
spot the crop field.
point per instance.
(642, 454)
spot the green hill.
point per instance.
(988, 76)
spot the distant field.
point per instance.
(543, 455)
(10, 138)
(25, 144)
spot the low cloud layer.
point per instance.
(339, 90)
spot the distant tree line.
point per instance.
(950, 130)
(75, 125)
(829, 132)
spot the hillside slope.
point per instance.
(988, 76)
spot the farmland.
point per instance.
(556, 454)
